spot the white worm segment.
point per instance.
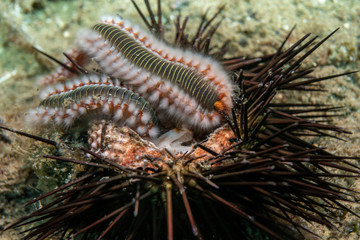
(95, 110)
(74, 83)
(120, 110)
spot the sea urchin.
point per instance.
(253, 176)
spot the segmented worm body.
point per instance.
(188, 79)
(100, 101)
(188, 88)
